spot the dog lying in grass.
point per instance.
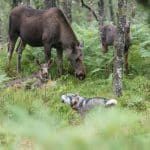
(83, 104)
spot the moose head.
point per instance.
(44, 68)
(76, 59)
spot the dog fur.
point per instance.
(83, 104)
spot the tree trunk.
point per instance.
(15, 3)
(49, 3)
(101, 12)
(112, 17)
(67, 7)
(0, 30)
(100, 17)
(119, 48)
(28, 2)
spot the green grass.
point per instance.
(36, 118)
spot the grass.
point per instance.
(36, 118)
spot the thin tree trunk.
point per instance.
(57, 3)
(49, 3)
(28, 2)
(101, 12)
(112, 17)
(67, 7)
(0, 30)
(119, 48)
(15, 3)
(100, 17)
(89, 16)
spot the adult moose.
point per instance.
(48, 28)
(108, 35)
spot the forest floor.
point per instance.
(36, 118)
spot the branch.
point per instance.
(90, 9)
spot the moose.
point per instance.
(108, 34)
(48, 28)
(38, 78)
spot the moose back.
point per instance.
(48, 28)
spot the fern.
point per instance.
(3, 78)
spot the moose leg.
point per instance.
(47, 51)
(60, 61)
(11, 46)
(19, 44)
(20, 49)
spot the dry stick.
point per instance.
(90, 9)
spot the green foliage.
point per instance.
(37, 3)
(36, 119)
(97, 64)
(108, 129)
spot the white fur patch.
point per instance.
(66, 99)
(111, 102)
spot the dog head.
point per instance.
(73, 100)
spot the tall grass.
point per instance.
(105, 129)
(36, 119)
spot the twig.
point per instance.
(90, 9)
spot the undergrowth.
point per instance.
(36, 118)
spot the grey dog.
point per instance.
(83, 104)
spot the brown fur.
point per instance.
(108, 34)
(37, 79)
(48, 28)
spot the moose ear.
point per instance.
(50, 62)
(37, 62)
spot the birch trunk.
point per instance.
(119, 48)
(0, 30)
